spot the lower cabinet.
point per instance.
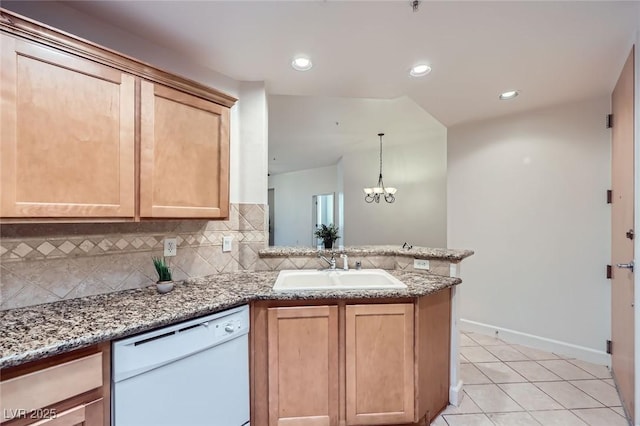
(339, 364)
(303, 366)
(64, 390)
(379, 364)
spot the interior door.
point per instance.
(622, 294)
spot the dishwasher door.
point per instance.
(191, 374)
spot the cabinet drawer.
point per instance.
(54, 384)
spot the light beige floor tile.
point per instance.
(568, 395)
(477, 354)
(470, 375)
(468, 420)
(599, 371)
(530, 397)
(486, 340)
(610, 382)
(599, 390)
(533, 371)
(565, 369)
(535, 354)
(467, 341)
(557, 418)
(491, 399)
(619, 410)
(439, 421)
(601, 417)
(467, 406)
(463, 360)
(499, 372)
(507, 353)
(512, 419)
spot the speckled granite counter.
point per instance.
(40, 331)
(452, 255)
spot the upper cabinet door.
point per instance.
(67, 129)
(184, 159)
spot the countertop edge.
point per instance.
(455, 255)
(90, 339)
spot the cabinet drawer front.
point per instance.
(54, 384)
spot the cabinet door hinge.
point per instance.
(609, 272)
(609, 121)
(609, 196)
(609, 346)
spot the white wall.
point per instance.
(248, 117)
(527, 193)
(419, 214)
(249, 154)
(293, 194)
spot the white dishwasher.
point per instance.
(195, 373)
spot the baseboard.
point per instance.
(538, 342)
(455, 394)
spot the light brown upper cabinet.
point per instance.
(80, 124)
(67, 135)
(184, 157)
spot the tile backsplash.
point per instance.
(42, 263)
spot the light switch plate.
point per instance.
(453, 270)
(170, 247)
(227, 243)
(421, 264)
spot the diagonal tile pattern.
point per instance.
(45, 263)
(513, 385)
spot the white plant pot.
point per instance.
(164, 286)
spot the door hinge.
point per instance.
(609, 121)
(609, 346)
(609, 196)
(630, 234)
(609, 272)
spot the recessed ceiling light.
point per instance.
(420, 70)
(301, 63)
(508, 95)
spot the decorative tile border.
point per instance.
(246, 223)
(44, 263)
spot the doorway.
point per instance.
(323, 213)
(622, 235)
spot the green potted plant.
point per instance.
(165, 282)
(328, 234)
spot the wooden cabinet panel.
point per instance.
(184, 160)
(67, 146)
(303, 366)
(379, 364)
(433, 333)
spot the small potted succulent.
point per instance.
(328, 234)
(165, 282)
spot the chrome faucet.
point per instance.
(331, 262)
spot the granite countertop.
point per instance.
(454, 255)
(36, 332)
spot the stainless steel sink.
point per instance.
(309, 279)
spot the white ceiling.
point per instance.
(552, 51)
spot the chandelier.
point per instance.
(373, 194)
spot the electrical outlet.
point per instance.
(421, 264)
(170, 247)
(227, 243)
